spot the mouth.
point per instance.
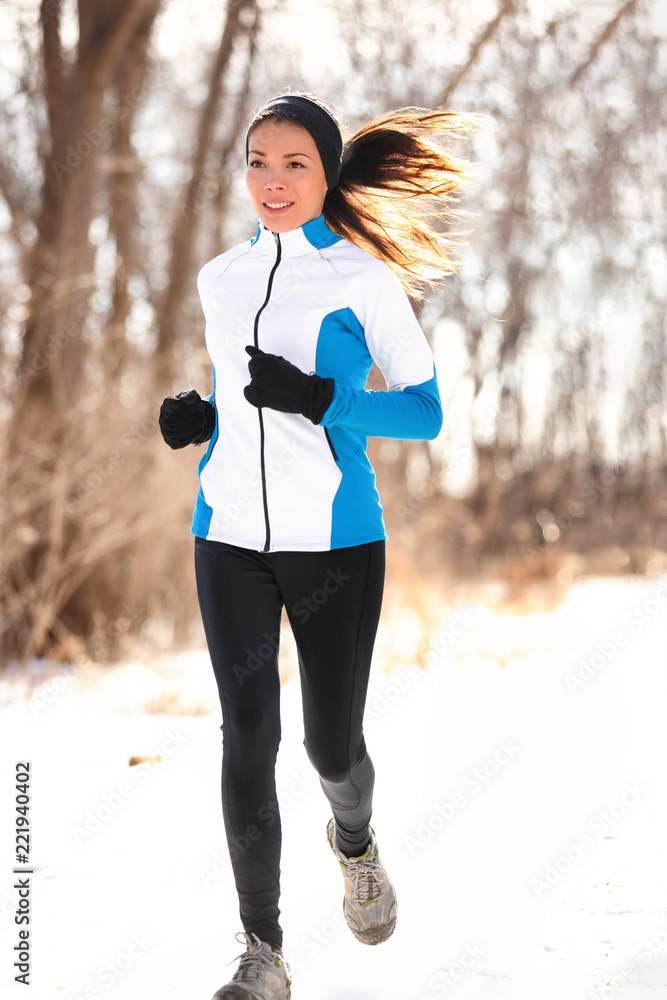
(277, 207)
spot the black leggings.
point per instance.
(333, 602)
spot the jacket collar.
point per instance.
(313, 235)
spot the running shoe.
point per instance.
(369, 904)
(263, 974)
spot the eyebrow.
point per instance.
(287, 156)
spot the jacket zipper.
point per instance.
(267, 542)
(330, 443)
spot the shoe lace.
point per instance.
(367, 876)
(253, 961)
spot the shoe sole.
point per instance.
(375, 936)
(233, 992)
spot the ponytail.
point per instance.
(394, 194)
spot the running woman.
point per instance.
(288, 514)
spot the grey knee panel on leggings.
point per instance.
(351, 801)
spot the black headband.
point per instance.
(317, 121)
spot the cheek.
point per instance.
(252, 183)
(317, 192)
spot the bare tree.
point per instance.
(83, 411)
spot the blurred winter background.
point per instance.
(520, 664)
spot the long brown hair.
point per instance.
(395, 193)
(395, 196)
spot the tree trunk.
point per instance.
(183, 241)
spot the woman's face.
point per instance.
(285, 176)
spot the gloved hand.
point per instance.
(186, 419)
(280, 385)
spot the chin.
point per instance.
(282, 223)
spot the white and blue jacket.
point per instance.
(273, 481)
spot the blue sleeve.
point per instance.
(211, 396)
(413, 413)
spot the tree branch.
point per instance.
(125, 171)
(49, 16)
(482, 39)
(608, 31)
(106, 30)
(13, 202)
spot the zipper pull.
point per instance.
(276, 237)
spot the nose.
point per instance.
(273, 180)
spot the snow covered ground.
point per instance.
(520, 808)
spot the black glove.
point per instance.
(186, 419)
(280, 385)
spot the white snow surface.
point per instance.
(520, 810)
